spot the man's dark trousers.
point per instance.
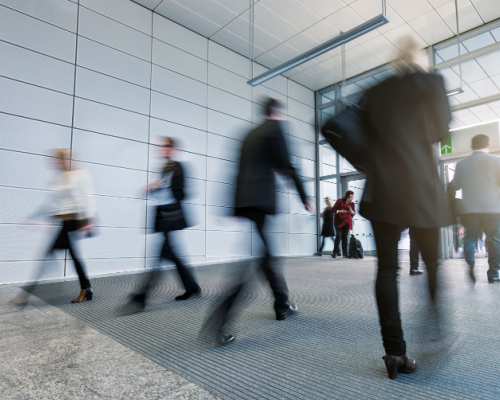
(490, 223)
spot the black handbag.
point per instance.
(347, 133)
(169, 217)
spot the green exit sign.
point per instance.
(446, 146)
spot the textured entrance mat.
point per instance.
(330, 350)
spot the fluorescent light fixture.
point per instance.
(337, 41)
(453, 92)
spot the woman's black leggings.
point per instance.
(342, 233)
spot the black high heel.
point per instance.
(89, 294)
(395, 364)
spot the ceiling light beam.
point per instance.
(331, 44)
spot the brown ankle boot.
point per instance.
(85, 294)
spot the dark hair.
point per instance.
(347, 194)
(271, 105)
(169, 140)
(480, 142)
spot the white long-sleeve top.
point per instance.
(73, 194)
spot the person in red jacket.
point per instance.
(344, 209)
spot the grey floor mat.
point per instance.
(330, 350)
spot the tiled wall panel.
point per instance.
(109, 79)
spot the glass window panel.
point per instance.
(367, 83)
(450, 51)
(328, 155)
(479, 41)
(496, 34)
(382, 76)
(329, 96)
(345, 166)
(328, 189)
(325, 100)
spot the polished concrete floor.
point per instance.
(330, 350)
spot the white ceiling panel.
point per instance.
(494, 105)
(236, 6)
(323, 74)
(461, 113)
(438, 3)
(451, 79)
(467, 95)
(345, 19)
(394, 35)
(322, 31)
(468, 18)
(394, 20)
(324, 8)
(484, 88)
(188, 18)
(272, 23)
(362, 59)
(295, 12)
(233, 42)
(302, 42)
(471, 71)
(490, 63)
(284, 52)
(268, 60)
(210, 10)
(486, 116)
(475, 110)
(262, 39)
(431, 27)
(455, 123)
(381, 48)
(151, 4)
(409, 10)
(496, 80)
(308, 81)
(488, 9)
(366, 37)
(367, 8)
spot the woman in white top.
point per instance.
(73, 205)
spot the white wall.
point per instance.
(106, 78)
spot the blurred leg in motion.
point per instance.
(492, 230)
(428, 241)
(386, 287)
(414, 255)
(472, 225)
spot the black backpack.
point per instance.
(355, 248)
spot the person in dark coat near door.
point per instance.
(327, 230)
(407, 115)
(263, 153)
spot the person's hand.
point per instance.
(309, 205)
(153, 185)
(87, 228)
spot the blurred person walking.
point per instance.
(414, 255)
(406, 115)
(344, 209)
(479, 178)
(169, 192)
(73, 205)
(263, 152)
(327, 230)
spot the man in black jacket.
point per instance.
(263, 152)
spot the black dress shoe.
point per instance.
(471, 274)
(225, 339)
(319, 254)
(416, 272)
(493, 280)
(334, 255)
(188, 295)
(293, 309)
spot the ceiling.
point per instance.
(287, 28)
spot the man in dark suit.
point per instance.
(479, 178)
(263, 152)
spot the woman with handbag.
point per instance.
(169, 192)
(73, 205)
(344, 209)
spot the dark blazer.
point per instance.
(328, 230)
(479, 178)
(406, 116)
(263, 152)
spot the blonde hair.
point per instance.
(408, 60)
(63, 155)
